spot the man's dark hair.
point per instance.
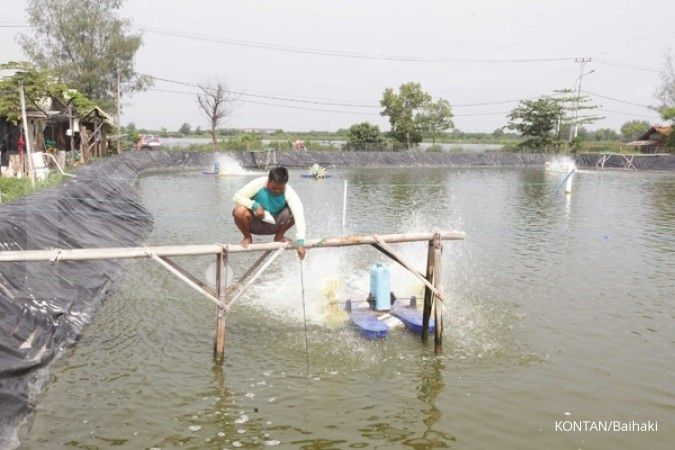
(279, 175)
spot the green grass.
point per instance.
(14, 188)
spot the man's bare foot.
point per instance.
(246, 242)
(281, 239)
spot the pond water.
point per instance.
(559, 309)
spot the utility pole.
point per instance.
(26, 137)
(119, 130)
(575, 126)
(72, 132)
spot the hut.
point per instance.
(653, 140)
(54, 125)
(94, 129)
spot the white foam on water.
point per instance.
(561, 164)
(478, 328)
(230, 166)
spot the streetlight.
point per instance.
(575, 126)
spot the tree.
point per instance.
(576, 110)
(38, 84)
(539, 121)
(498, 133)
(184, 129)
(669, 114)
(546, 121)
(86, 45)
(401, 109)
(633, 129)
(214, 102)
(435, 118)
(666, 93)
(605, 134)
(364, 136)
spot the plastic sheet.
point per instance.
(45, 306)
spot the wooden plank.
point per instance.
(390, 252)
(248, 283)
(188, 275)
(244, 277)
(189, 282)
(219, 339)
(210, 249)
(426, 311)
(438, 303)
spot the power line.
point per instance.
(623, 113)
(625, 65)
(338, 53)
(318, 102)
(282, 98)
(316, 109)
(615, 99)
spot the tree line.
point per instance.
(95, 55)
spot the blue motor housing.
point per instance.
(380, 287)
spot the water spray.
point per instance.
(304, 317)
(344, 207)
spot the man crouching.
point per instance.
(275, 195)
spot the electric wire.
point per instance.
(338, 53)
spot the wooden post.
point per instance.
(26, 136)
(219, 341)
(438, 301)
(426, 311)
(119, 128)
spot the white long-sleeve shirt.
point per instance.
(255, 193)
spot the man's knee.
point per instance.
(242, 213)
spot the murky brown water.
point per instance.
(560, 309)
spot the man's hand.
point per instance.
(301, 252)
(259, 212)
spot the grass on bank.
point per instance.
(14, 188)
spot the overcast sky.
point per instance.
(249, 44)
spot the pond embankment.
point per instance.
(305, 159)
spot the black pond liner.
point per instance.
(44, 307)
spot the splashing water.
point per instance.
(226, 165)
(562, 164)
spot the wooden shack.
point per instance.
(653, 140)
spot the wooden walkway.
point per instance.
(224, 299)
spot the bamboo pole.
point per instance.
(210, 249)
(26, 136)
(187, 280)
(437, 300)
(219, 340)
(391, 253)
(191, 277)
(248, 283)
(426, 311)
(248, 273)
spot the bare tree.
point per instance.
(215, 103)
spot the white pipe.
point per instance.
(344, 206)
(568, 183)
(57, 165)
